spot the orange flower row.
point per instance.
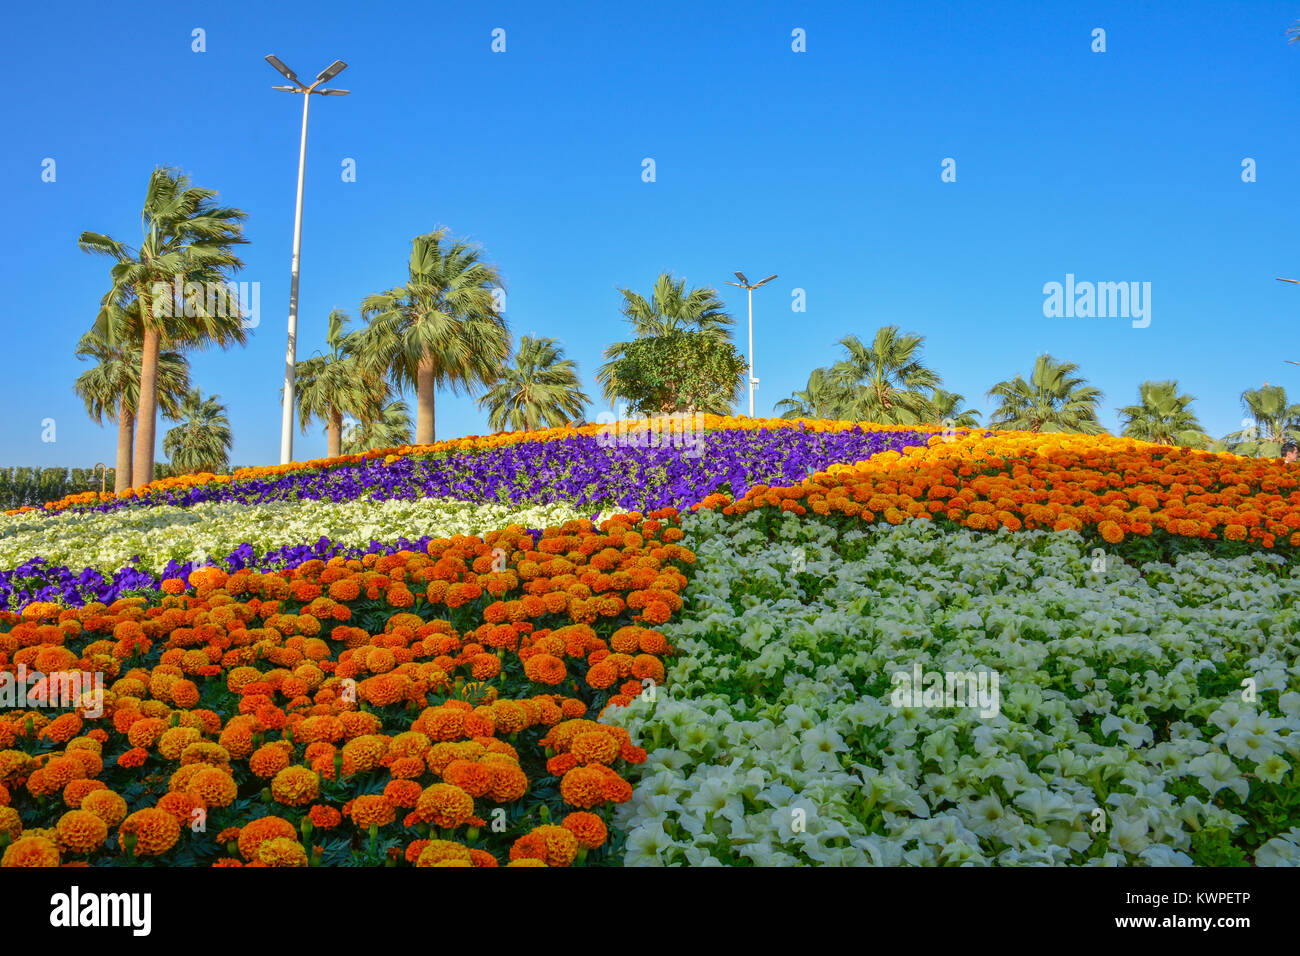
(1117, 486)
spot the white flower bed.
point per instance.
(164, 533)
(1121, 735)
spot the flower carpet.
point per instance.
(785, 643)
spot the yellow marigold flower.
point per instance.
(295, 786)
(174, 740)
(10, 824)
(31, 851)
(526, 861)
(105, 804)
(440, 850)
(281, 851)
(213, 786)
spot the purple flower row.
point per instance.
(583, 470)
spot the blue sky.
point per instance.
(822, 166)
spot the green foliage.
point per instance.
(681, 371)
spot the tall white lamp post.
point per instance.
(746, 284)
(291, 352)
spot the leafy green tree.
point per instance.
(1163, 416)
(202, 440)
(187, 238)
(111, 388)
(679, 372)
(336, 384)
(1054, 399)
(540, 389)
(1271, 420)
(390, 428)
(677, 319)
(885, 382)
(442, 328)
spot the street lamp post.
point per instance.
(746, 284)
(291, 351)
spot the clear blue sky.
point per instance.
(823, 167)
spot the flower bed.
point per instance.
(420, 708)
(1123, 734)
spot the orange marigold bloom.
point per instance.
(589, 829)
(81, 831)
(324, 818)
(253, 834)
(156, 831)
(373, 809)
(31, 851)
(583, 787)
(472, 777)
(545, 669)
(402, 793)
(445, 805)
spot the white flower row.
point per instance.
(212, 530)
(1123, 728)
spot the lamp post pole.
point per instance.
(291, 349)
(750, 287)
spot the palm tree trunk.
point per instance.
(334, 433)
(424, 395)
(142, 472)
(125, 434)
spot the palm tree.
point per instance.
(1162, 416)
(441, 328)
(671, 308)
(540, 389)
(390, 428)
(822, 399)
(1053, 400)
(187, 238)
(886, 381)
(112, 386)
(950, 410)
(202, 440)
(331, 386)
(1272, 421)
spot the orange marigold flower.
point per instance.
(445, 805)
(31, 851)
(253, 834)
(156, 831)
(589, 829)
(373, 809)
(81, 831)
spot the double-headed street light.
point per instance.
(746, 284)
(291, 353)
